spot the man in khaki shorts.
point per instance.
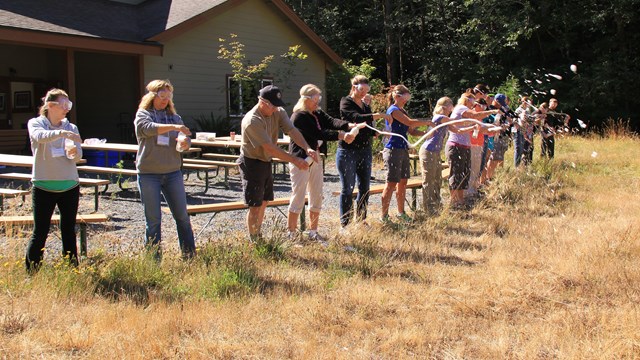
(260, 127)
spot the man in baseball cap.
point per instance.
(260, 127)
(272, 94)
(501, 99)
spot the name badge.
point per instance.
(163, 140)
(57, 151)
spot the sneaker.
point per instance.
(255, 238)
(314, 236)
(293, 236)
(386, 220)
(404, 218)
(344, 231)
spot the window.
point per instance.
(242, 96)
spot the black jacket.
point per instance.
(323, 129)
(351, 112)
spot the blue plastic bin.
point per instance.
(96, 158)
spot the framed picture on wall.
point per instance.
(2, 102)
(22, 100)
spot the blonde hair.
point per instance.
(463, 98)
(441, 104)
(52, 95)
(395, 91)
(306, 92)
(152, 91)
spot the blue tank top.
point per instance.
(396, 142)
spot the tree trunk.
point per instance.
(390, 43)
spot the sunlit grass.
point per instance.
(545, 266)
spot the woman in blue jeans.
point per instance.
(158, 163)
(354, 160)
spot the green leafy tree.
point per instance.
(250, 75)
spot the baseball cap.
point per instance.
(272, 94)
(501, 99)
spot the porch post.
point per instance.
(71, 80)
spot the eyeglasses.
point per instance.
(164, 95)
(66, 104)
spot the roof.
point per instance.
(146, 24)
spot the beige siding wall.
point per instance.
(199, 76)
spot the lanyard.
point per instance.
(317, 121)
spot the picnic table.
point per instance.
(27, 161)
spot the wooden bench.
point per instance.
(119, 172)
(206, 166)
(217, 208)
(96, 183)
(14, 141)
(412, 184)
(7, 193)
(81, 220)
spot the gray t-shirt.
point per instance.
(258, 130)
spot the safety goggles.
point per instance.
(363, 87)
(66, 104)
(164, 95)
(316, 97)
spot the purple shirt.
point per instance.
(463, 139)
(434, 144)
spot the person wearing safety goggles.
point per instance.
(354, 160)
(162, 136)
(396, 152)
(458, 146)
(318, 128)
(55, 144)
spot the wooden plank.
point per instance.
(230, 206)
(13, 192)
(108, 170)
(220, 156)
(210, 162)
(55, 219)
(82, 181)
(194, 166)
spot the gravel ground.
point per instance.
(124, 232)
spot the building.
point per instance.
(103, 52)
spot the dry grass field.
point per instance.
(546, 266)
